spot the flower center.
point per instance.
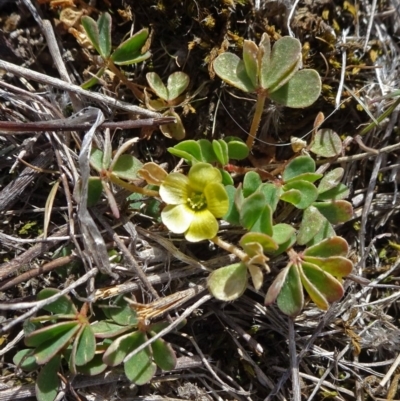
(197, 201)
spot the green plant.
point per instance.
(89, 348)
(169, 97)
(131, 51)
(252, 205)
(272, 74)
(67, 334)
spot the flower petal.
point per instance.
(175, 189)
(202, 174)
(177, 218)
(217, 199)
(203, 226)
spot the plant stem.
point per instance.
(261, 97)
(231, 249)
(132, 187)
(138, 94)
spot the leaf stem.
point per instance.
(132, 187)
(111, 66)
(231, 248)
(261, 97)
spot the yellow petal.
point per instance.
(177, 218)
(217, 199)
(202, 174)
(203, 226)
(175, 189)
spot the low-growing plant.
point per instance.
(131, 51)
(270, 73)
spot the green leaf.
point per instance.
(237, 149)
(130, 51)
(264, 58)
(47, 350)
(251, 210)
(251, 182)
(163, 355)
(229, 282)
(336, 211)
(326, 143)
(226, 177)
(285, 61)
(337, 266)
(267, 243)
(301, 91)
(173, 130)
(299, 165)
(107, 329)
(95, 188)
(272, 193)
(287, 290)
(231, 69)
(86, 346)
(220, 148)
(206, 151)
(122, 313)
(311, 223)
(189, 150)
(317, 283)
(122, 346)
(291, 298)
(326, 231)
(92, 32)
(47, 382)
(335, 246)
(282, 232)
(330, 180)
(177, 84)
(63, 305)
(26, 360)
(96, 159)
(127, 167)
(264, 222)
(250, 53)
(49, 333)
(232, 215)
(104, 29)
(155, 83)
(309, 177)
(308, 192)
(292, 196)
(140, 369)
(340, 192)
(94, 367)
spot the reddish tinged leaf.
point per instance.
(334, 246)
(338, 266)
(336, 211)
(322, 283)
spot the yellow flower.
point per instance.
(194, 202)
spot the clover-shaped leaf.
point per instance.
(237, 149)
(285, 61)
(130, 51)
(311, 224)
(99, 33)
(301, 91)
(308, 193)
(232, 69)
(336, 211)
(177, 83)
(298, 166)
(330, 180)
(228, 283)
(326, 143)
(163, 354)
(335, 246)
(62, 305)
(47, 382)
